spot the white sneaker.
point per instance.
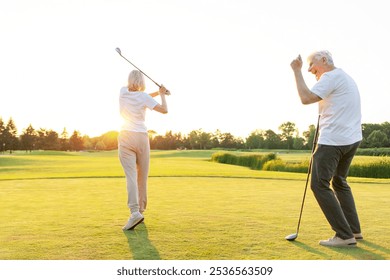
(338, 242)
(134, 220)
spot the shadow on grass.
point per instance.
(140, 245)
(310, 249)
(375, 246)
(364, 251)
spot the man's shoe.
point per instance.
(338, 242)
(134, 220)
(358, 236)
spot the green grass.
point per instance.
(73, 205)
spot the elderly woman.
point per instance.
(133, 141)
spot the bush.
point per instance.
(274, 165)
(374, 152)
(371, 168)
(280, 165)
(253, 161)
(366, 167)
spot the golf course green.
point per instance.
(72, 206)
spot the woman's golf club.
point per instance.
(120, 53)
(294, 236)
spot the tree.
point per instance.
(100, 146)
(51, 140)
(198, 139)
(193, 138)
(47, 140)
(40, 142)
(110, 140)
(216, 138)
(204, 140)
(255, 140)
(288, 129)
(377, 139)
(64, 141)
(11, 140)
(76, 141)
(2, 136)
(87, 143)
(169, 141)
(28, 138)
(299, 143)
(230, 142)
(151, 134)
(367, 129)
(386, 130)
(272, 140)
(185, 141)
(309, 136)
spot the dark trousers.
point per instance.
(331, 164)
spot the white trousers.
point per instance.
(134, 152)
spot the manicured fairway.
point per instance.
(73, 206)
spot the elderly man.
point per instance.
(340, 135)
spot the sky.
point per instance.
(226, 62)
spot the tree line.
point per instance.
(288, 137)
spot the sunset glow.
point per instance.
(227, 63)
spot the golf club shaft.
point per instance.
(140, 70)
(309, 171)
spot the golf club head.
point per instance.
(119, 51)
(292, 237)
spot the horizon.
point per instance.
(20, 131)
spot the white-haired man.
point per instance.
(340, 134)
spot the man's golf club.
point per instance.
(294, 236)
(120, 53)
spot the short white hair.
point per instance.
(320, 54)
(136, 81)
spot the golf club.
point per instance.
(120, 53)
(294, 236)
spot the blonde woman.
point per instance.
(133, 142)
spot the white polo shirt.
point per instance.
(340, 110)
(132, 107)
